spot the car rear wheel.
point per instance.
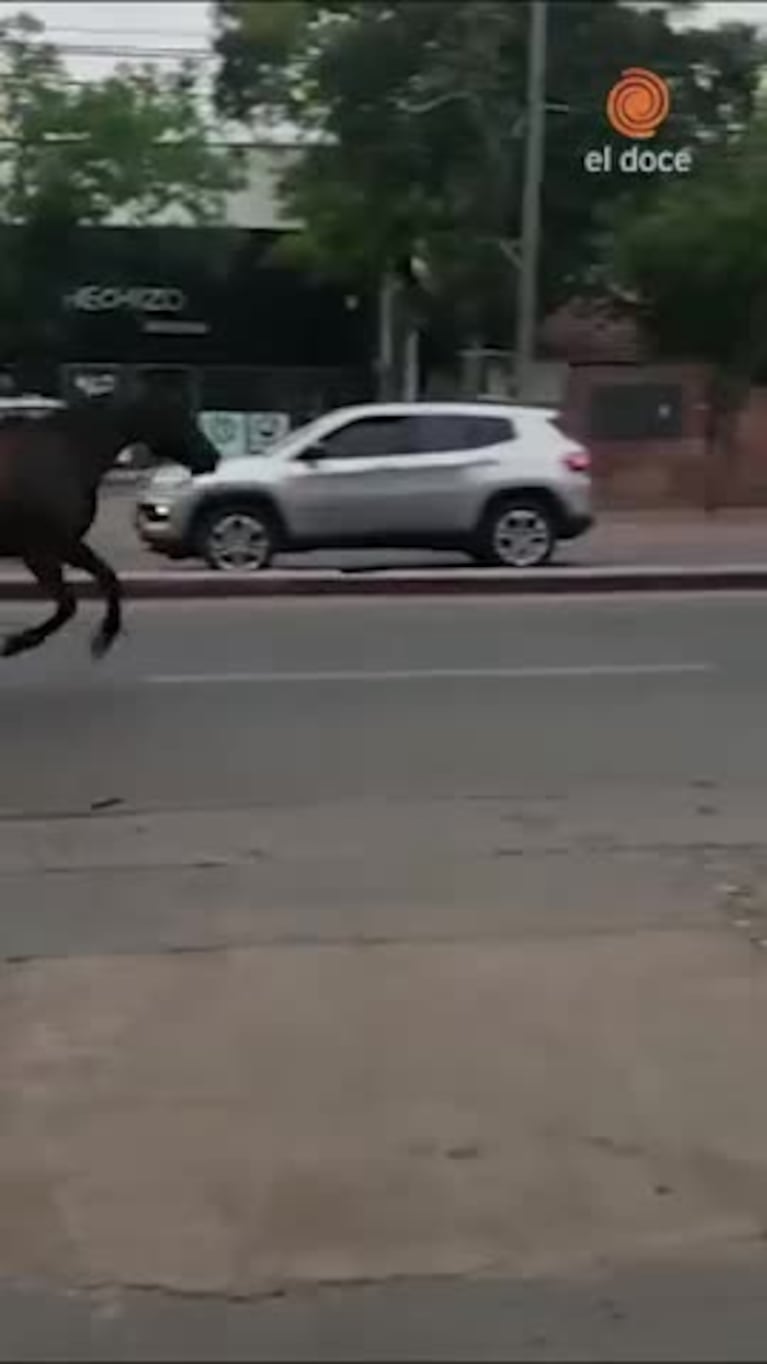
(238, 539)
(519, 532)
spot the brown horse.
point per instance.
(51, 468)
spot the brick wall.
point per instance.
(666, 472)
(675, 472)
(744, 483)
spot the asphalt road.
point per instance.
(374, 768)
(583, 778)
(698, 1312)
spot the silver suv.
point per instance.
(502, 483)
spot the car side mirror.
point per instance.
(311, 455)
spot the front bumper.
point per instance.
(153, 525)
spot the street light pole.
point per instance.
(527, 295)
(385, 358)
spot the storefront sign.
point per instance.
(168, 327)
(137, 298)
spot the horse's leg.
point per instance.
(82, 556)
(46, 567)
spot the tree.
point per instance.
(695, 266)
(72, 155)
(414, 114)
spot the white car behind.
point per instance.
(500, 482)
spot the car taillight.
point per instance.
(577, 461)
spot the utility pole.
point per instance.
(385, 358)
(527, 295)
(412, 364)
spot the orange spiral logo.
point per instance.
(638, 103)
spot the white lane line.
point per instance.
(426, 674)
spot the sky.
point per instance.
(743, 11)
(730, 11)
(161, 27)
(186, 24)
(177, 22)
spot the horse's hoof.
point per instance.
(100, 645)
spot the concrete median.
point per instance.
(191, 584)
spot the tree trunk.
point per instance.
(411, 377)
(386, 362)
(471, 368)
(728, 394)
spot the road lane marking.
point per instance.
(427, 674)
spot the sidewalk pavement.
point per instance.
(344, 1114)
(684, 538)
(385, 1151)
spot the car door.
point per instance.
(436, 489)
(341, 489)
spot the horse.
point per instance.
(52, 463)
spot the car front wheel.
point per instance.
(517, 533)
(237, 539)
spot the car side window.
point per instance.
(484, 431)
(439, 432)
(369, 436)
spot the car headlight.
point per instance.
(167, 480)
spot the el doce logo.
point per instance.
(638, 103)
(637, 106)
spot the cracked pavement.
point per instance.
(360, 1016)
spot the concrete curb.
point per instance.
(177, 586)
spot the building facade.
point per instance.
(214, 312)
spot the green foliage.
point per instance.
(258, 45)
(73, 154)
(135, 140)
(416, 112)
(697, 260)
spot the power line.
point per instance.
(81, 83)
(122, 32)
(83, 50)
